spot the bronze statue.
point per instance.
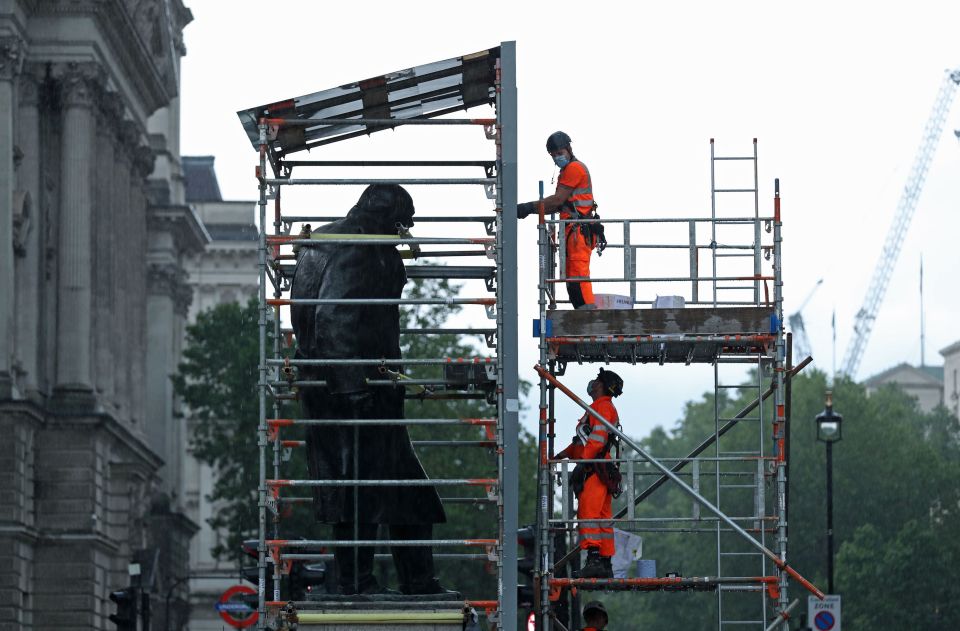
(382, 452)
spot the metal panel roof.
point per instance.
(425, 91)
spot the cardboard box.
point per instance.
(612, 301)
(669, 302)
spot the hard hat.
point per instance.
(611, 381)
(557, 140)
(595, 605)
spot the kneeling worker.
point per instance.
(595, 483)
(574, 200)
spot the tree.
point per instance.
(217, 381)
(894, 464)
(905, 581)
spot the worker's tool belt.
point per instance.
(608, 472)
(592, 232)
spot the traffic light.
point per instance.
(126, 616)
(527, 543)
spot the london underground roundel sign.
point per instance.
(234, 611)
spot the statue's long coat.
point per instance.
(383, 452)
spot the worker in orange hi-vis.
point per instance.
(596, 484)
(573, 200)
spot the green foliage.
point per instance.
(217, 381)
(893, 464)
(904, 581)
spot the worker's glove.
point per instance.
(526, 209)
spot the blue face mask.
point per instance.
(561, 161)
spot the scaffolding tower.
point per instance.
(733, 316)
(414, 98)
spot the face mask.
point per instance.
(590, 387)
(561, 161)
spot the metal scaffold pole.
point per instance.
(262, 381)
(507, 317)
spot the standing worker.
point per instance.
(595, 484)
(574, 200)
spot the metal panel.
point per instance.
(413, 93)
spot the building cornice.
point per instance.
(149, 461)
(126, 44)
(183, 223)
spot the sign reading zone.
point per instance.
(824, 615)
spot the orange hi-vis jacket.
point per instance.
(598, 433)
(576, 176)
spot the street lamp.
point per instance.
(829, 431)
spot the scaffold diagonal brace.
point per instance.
(782, 565)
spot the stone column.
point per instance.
(76, 171)
(174, 232)
(143, 165)
(124, 250)
(11, 52)
(106, 237)
(163, 277)
(30, 255)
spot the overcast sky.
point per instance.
(836, 93)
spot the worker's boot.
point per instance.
(608, 563)
(415, 563)
(595, 567)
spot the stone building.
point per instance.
(94, 232)
(226, 271)
(951, 377)
(925, 383)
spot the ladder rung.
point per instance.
(741, 554)
(738, 486)
(729, 254)
(734, 190)
(733, 158)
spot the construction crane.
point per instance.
(863, 322)
(801, 343)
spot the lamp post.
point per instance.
(829, 431)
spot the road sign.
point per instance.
(234, 610)
(823, 615)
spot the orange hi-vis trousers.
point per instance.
(594, 513)
(578, 264)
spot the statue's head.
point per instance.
(382, 206)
